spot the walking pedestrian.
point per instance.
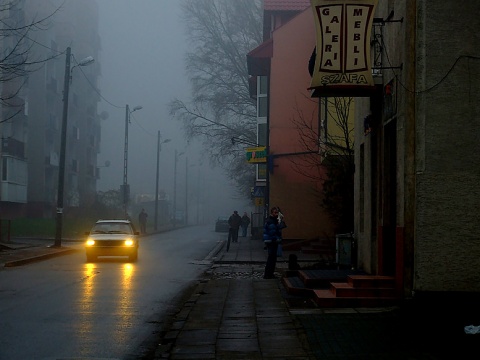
(234, 221)
(272, 237)
(142, 219)
(245, 223)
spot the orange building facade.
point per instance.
(291, 183)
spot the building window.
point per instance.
(262, 134)
(263, 85)
(4, 169)
(262, 97)
(262, 106)
(261, 172)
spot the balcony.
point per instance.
(13, 148)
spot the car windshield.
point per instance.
(111, 228)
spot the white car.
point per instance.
(112, 238)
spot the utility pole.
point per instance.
(186, 190)
(155, 223)
(63, 143)
(175, 190)
(126, 187)
(126, 192)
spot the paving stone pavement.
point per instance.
(236, 314)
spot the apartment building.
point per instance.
(31, 130)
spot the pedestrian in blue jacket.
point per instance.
(272, 237)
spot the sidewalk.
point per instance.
(236, 314)
(20, 252)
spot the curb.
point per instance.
(39, 257)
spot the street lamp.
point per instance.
(63, 142)
(186, 189)
(198, 195)
(126, 189)
(175, 188)
(159, 148)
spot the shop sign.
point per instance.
(256, 155)
(343, 30)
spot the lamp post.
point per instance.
(126, 189)
(198, 196)
(159, 148)
(186, 188)
(175, 188)
(63, 142)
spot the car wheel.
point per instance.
(91, 258)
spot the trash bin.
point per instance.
(344, 244)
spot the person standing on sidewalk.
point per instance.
(142, 219)
(272, 237)
(245, 223)
(234, 221)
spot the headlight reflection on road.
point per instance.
(86, 304)
(126, 307)
(121, 303)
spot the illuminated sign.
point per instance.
(257, 155)
(343, 30)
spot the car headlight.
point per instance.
(90, 242)
(128, 242)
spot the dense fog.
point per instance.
(142, 59)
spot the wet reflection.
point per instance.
(118, 303)
(86, 310)
(125, 310)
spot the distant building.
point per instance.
(31, 138)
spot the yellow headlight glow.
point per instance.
(128, 242)
(90, 242)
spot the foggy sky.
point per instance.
(142, 60)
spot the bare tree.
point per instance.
(16, 41)
(108, 203)
(329, 157)
(221, 33)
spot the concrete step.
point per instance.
(308, 279)
(316, 279)
(295, 286)
(369, 281)
(326, 298)
(342, 288)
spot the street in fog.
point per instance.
(143, 64)
(65, 307)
